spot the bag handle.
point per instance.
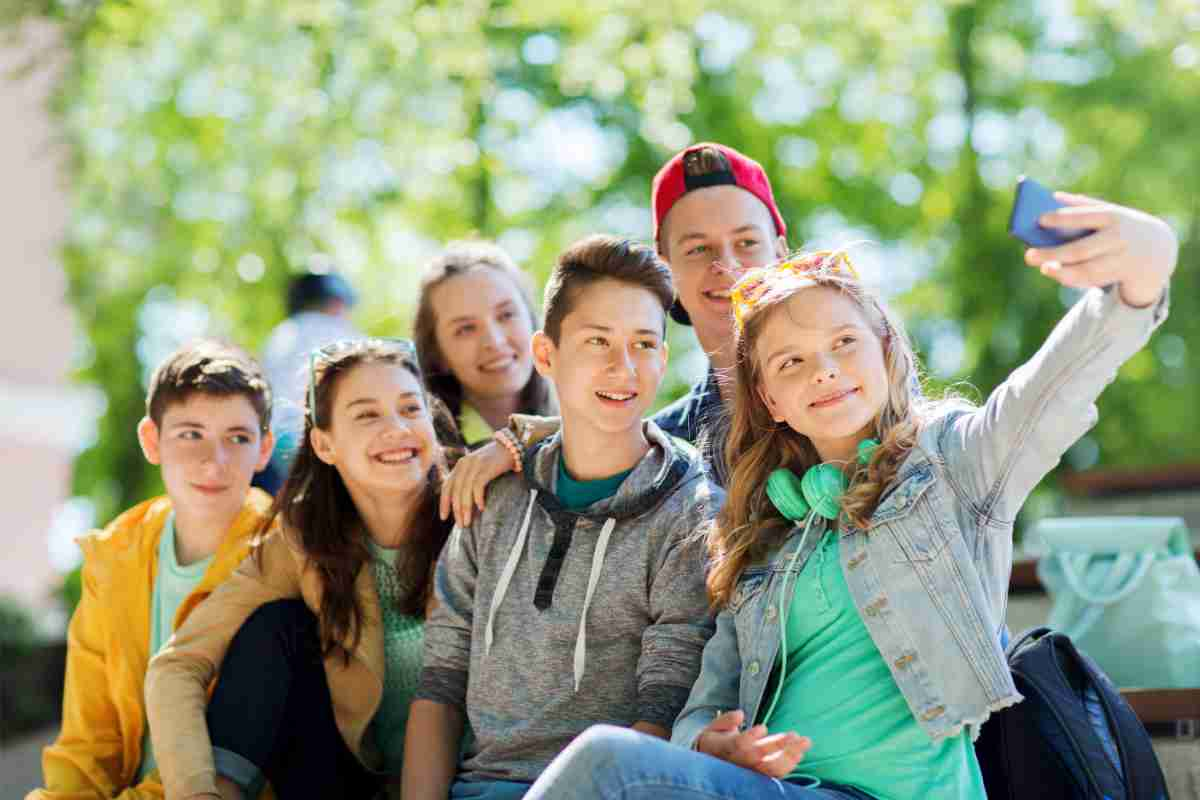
(1120, 581)
(1109, 535)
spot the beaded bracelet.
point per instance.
(508, 440)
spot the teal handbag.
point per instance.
(1127, 592)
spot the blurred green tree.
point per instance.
(218, 147)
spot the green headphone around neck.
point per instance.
(819, 491)
(817, 494)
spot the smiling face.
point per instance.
(483, 332)
(821, 370)
(209, 447)
(610, 357)
(380, 434)
(718, 223)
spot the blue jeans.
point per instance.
(621, 764)
(488, 790)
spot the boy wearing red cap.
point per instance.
(714, 216)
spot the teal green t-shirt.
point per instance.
(575, 495)
(172, 585)
(838, 691)
(403, 643)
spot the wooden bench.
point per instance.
(1172, 718)
(1171, 713)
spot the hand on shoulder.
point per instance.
(464, 489)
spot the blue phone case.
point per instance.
(1031, 202)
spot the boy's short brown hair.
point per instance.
(599, 258)
(208, 366)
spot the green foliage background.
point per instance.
(217, 146)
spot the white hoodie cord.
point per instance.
(593, 579)
(510, 566)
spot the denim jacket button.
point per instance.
(753, 668)
(933, 713)
(904, 660)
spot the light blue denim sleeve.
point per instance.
(996, 454)
(716, 690)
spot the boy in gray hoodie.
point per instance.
(578, 596)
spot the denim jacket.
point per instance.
(930, 575)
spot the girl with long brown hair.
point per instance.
(318, 635)
(860, 564)
(475, 320)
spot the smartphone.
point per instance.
(1032, 200)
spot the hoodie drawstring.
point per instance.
(593, 579)
(510, 567)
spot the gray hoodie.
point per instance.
(549, 620)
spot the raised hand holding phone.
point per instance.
(1126, 246)
(1031, 202)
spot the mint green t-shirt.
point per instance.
(172, 585)
(575, 495)
(839, 692)
(403, 643)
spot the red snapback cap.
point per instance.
(672, 182)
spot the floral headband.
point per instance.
(757, 284)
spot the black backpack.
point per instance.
(1073, 736)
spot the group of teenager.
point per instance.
(789, 583)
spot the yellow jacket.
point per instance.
(99, 748)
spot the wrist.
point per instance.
(1139, 294)
(508, 440)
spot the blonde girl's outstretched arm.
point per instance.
(997, 454)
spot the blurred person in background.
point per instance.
(318, 307)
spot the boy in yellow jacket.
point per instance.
(207, 428)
